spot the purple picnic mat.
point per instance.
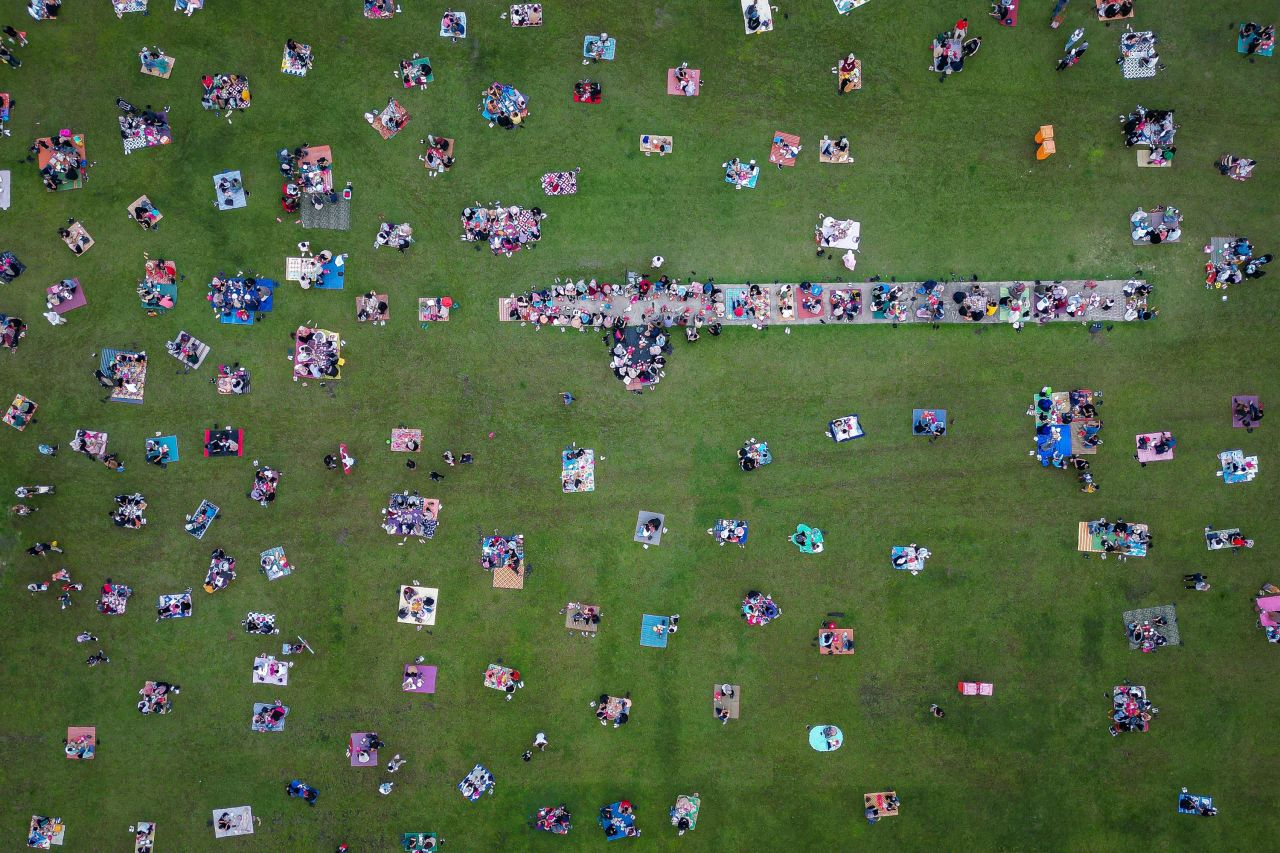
(426, 673)
(357, 739)
(1246, 399)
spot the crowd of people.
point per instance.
(398, 236)
(759, 608)
(130, 511)
(952, 48)
(1120, 537)
(438, 156)
(307, 175)
(507, 230)
(415, 71)
(1139, 47)
(1257, 38)
(222, 571)
(265, 482)
(113, 599)
(237, 298)
(1161, 225)
(67, 290)
(753, 454)
(317, 354)
(740, 174)
(10, 267)
(1131, 711)
(1233, 263)
(158, 452)
(62, 160)
(1152, 128)
(157, 697)
(502, 552)
(225, 92)
(145, 127)
(297, 58)
(554, 819)
(1148, 634)
(409, 514)
(503, 105)
(1236, 168)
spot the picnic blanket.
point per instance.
(578, 472)
(275, 564)
(1169, 630)
(173, 605)
(560, 183)
(198, 522)
(20, 412)
(654, 630)
(237, 820)
(845, 429)
(418, 679)
(784, 149)
(132, 373)
(693, 80)
(1236, 467)
(231, 194)
(406, 440)
(417, 605)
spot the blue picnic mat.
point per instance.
(331, 274)
(171, 442)
(651, 638)
(238, 196)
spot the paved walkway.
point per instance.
(856, 303)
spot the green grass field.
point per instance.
(945, 182)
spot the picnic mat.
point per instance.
(401, 438)
(132, 372)
(236, 197)
(643, 517)
(733, 704)
(1149, 454)
(560, 183)
(416, 611)
(1146, 614)
(653, 631)
(839, 635)
(570, 612)
(776, 154)
(507, 578)
(1246, 399)
(78, 299)
(332, 216)
(673, 85)
(419, 678)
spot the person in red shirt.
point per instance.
(962, 28)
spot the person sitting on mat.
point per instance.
(832, 149)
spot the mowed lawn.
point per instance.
(945, 182)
